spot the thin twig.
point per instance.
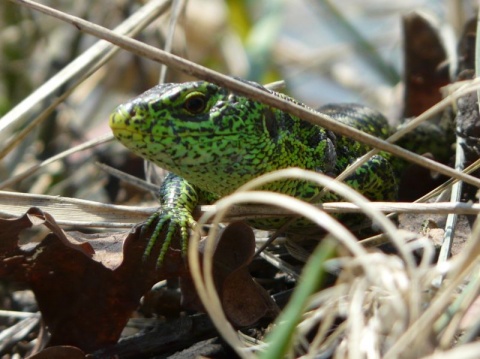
(28, 172)
(79, 212)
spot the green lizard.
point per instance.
(213, 141)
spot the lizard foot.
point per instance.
(173, 221)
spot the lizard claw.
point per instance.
(174, 221)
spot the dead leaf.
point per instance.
(426, 70)
(244, 301)
(87, 286)
(84, 302)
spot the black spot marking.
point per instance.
(271, 123)
(156, 106)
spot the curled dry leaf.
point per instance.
(425, 64)
(87, 286)
(84, 302)
(244, 301)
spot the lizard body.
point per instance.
(213, 141)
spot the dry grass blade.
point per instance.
(71, 211)
(178, 6)
(14, 314)
(12, 335)
(449, 323)
(30, 171)
(75, 212)
(455, 197)
(457, 270)
(467, 351)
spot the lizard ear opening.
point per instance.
(195, 103)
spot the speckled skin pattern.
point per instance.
(213, 141)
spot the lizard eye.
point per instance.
(195, 103)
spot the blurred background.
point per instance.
(326, 51)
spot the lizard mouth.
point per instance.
(123, 127)
(125, 132)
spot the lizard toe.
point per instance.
(174, 223)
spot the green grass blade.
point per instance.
(280, 339)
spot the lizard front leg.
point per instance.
(178, 199)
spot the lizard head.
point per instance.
(197, 129)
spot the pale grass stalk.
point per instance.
(92, 214)
(323, 340)
(355, 322)
(457, 270)
(177, 7)
(466, 351)
(82, 147)
(459, 307)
